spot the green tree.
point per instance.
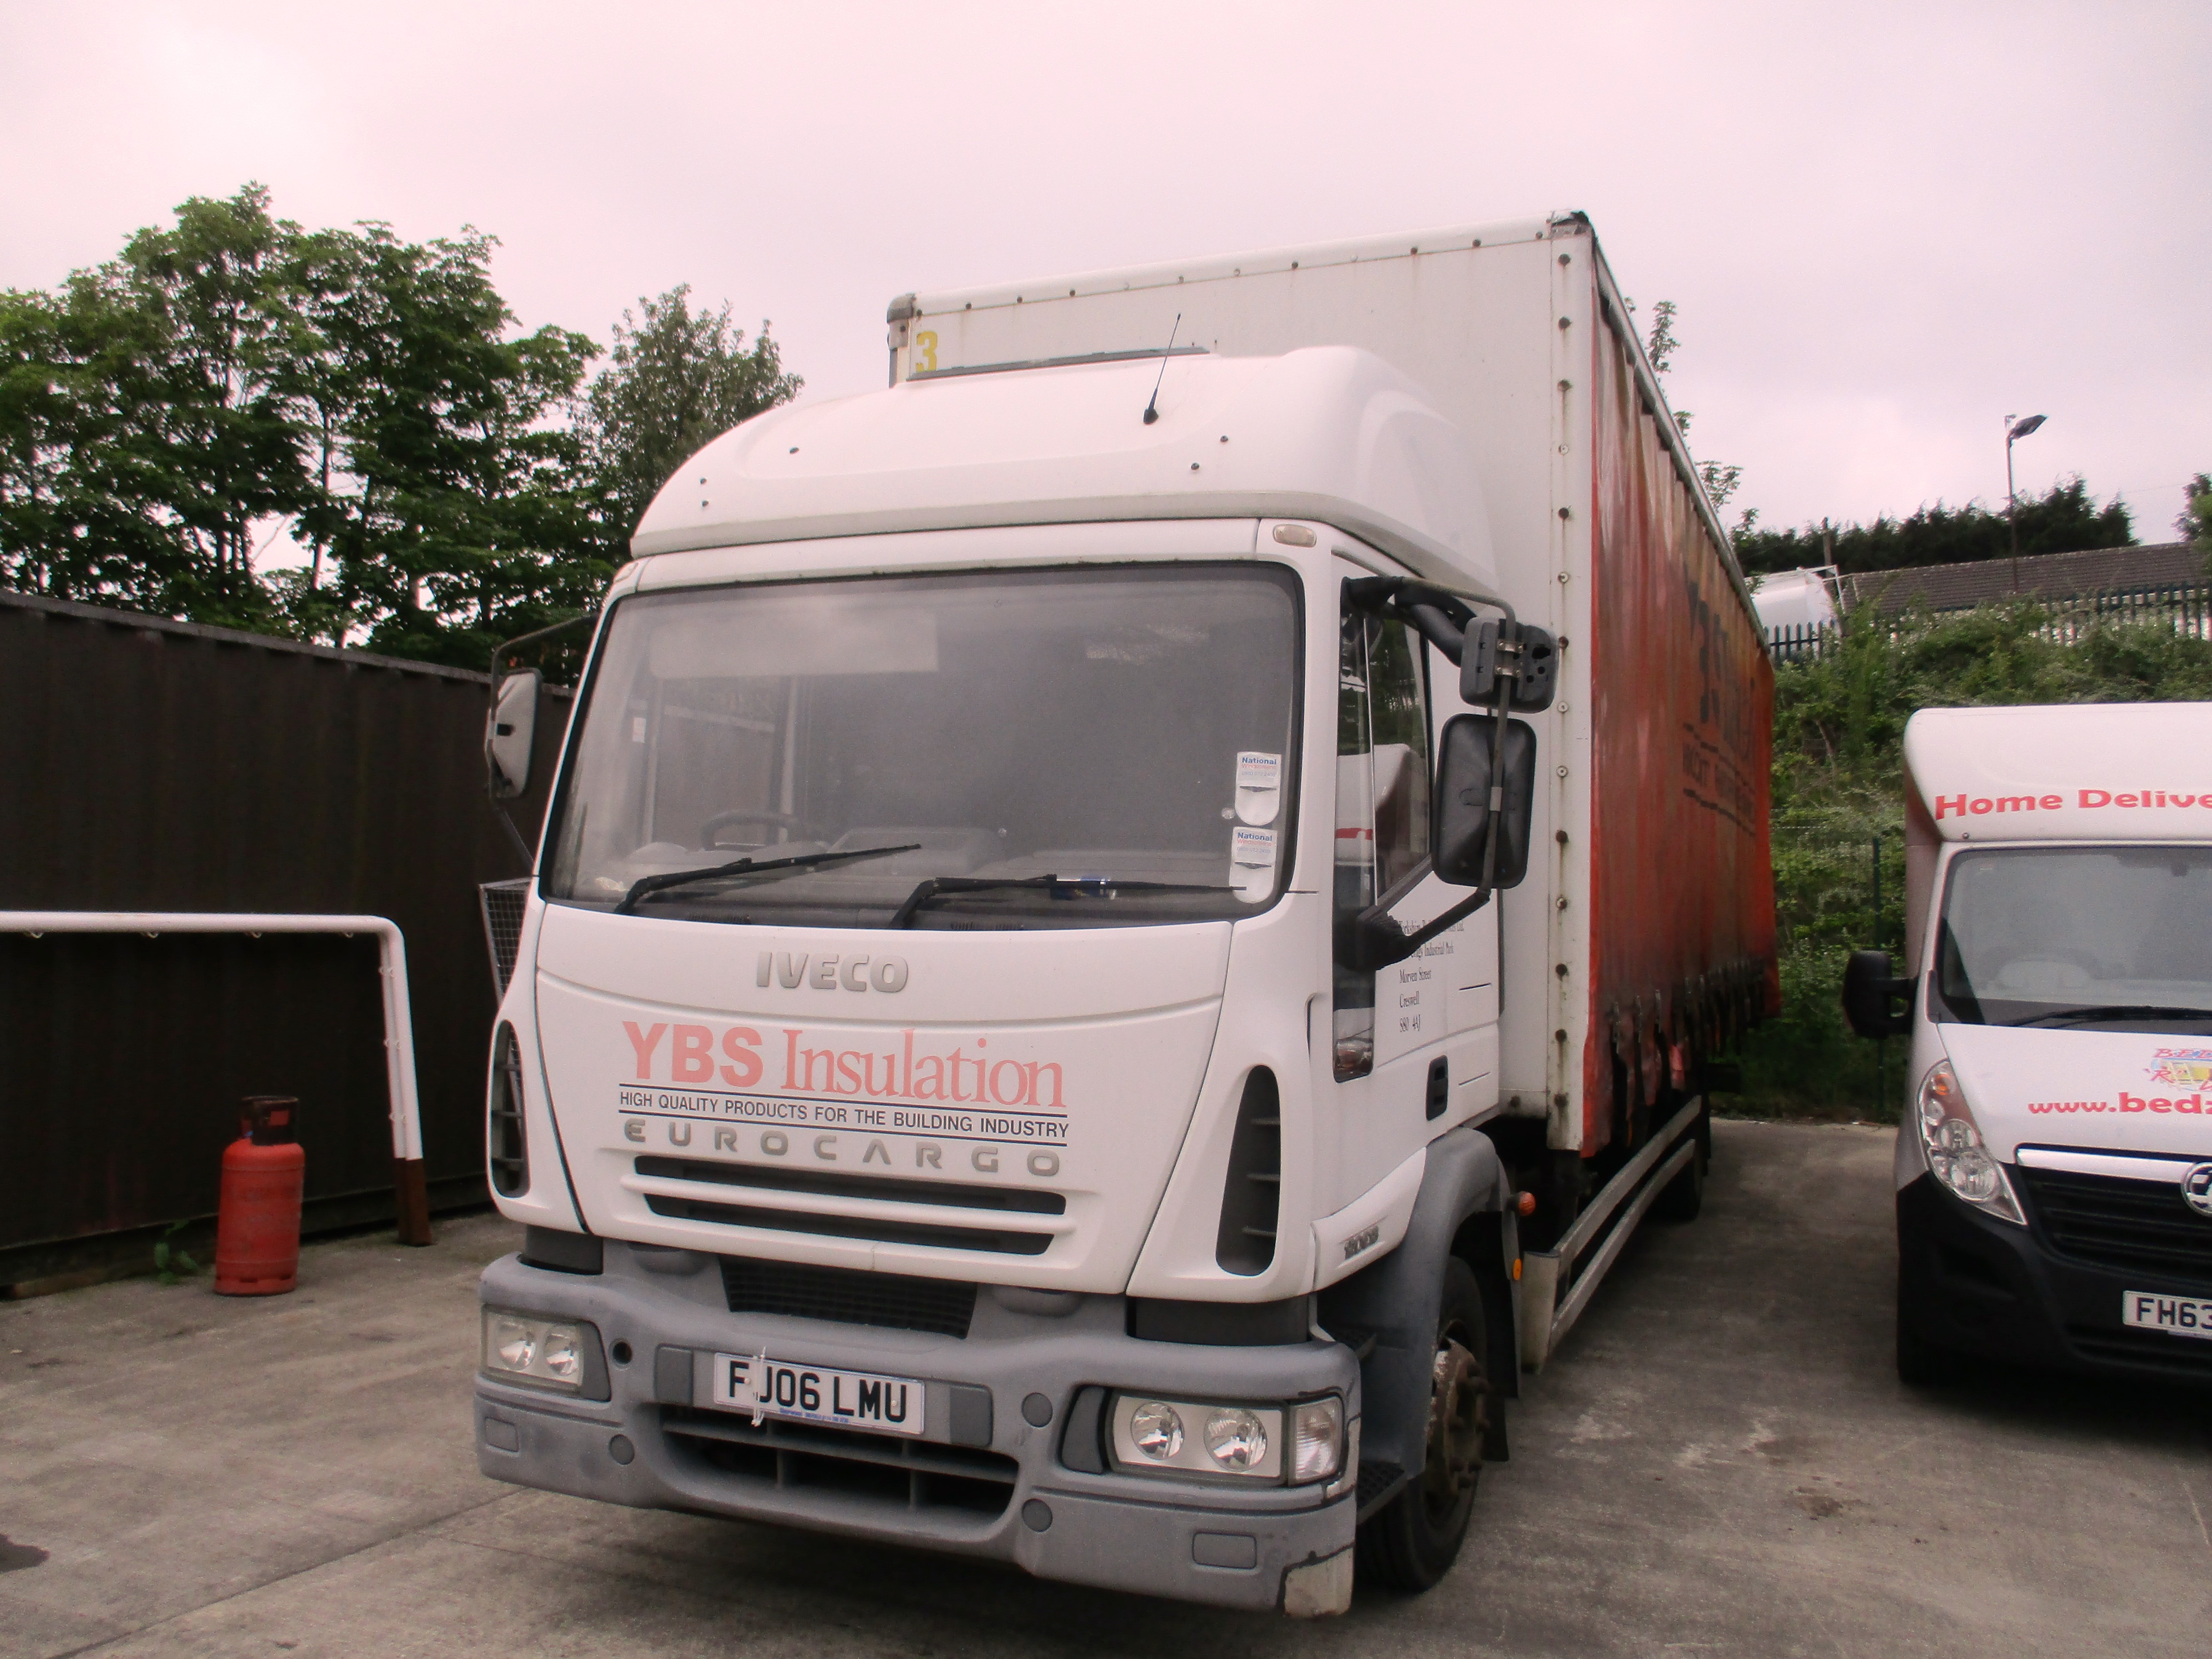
(2065, 519)
(674, 380)
(449, 503)
(1721, 479)
(164, 416)
(146, 428)
(2195, 524)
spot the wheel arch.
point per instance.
(1462, 1210)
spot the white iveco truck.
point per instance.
(2054, 1175)
(1017, 1044)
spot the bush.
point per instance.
(1839, 791)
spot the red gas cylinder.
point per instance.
(257, 1227)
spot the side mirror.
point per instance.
(1459, 823)
(1870, 994)
(508, 732)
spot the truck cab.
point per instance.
(2054, 1171)
(943, 1079)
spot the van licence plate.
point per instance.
(2181, 1315)
(814, 1393)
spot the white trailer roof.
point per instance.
(1312, 255)
(2133, 771)
(1331, 433)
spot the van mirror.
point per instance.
(1460, 826)
(1870, 995)
(508, 731)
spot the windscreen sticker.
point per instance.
(1259, 785)
(1252, 862)
(1252, 849)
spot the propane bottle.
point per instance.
(257, 1229)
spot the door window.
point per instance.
(1381, 798)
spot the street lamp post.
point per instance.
(2015, 430)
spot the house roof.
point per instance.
(2041, 575)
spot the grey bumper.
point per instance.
(985, 1479)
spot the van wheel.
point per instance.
(1412, 1540)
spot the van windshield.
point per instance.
(2115, 939)
(1081, 748)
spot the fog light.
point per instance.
(1155, 1431)
(1235, 1438)
(560, 1356)
(1317, 1440)
(545, 1352)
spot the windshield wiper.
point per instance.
(746, 866)
(2114, 1010)
(1058, 887)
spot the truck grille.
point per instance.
(2136, 1226)
(950, 1193)
(894, 1301)
(904, 1475)
(850, 1226)
(978, 1203)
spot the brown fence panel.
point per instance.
(152, 765)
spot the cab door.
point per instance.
(1413, 1046)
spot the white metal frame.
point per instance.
(1545, 1315)
(399, 1020)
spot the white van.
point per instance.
(2054, 1173)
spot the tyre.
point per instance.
(1412, 1541)
(1683, 1198)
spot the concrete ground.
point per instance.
(1720, 1462)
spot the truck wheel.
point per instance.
(1683, 1198)
(1412, 1540)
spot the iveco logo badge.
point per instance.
(2197, 1189)
(793, 968)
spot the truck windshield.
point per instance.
(2103, 939)
(1126, 729)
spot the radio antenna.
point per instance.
(1152, 409)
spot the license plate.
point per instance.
(814, 1394)
(2180, 1315)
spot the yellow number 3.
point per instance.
(924, 351)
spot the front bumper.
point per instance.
(1973, 1284)
(985, 1480)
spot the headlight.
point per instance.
(1219, 1438)
(1952, 1142)
(541, 1350)
(1236, 1439)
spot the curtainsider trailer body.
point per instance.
(1129, 923)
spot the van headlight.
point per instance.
(1301, 1443)
(522, 1347)
(1952, 1143)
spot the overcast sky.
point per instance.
(1886, 227)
